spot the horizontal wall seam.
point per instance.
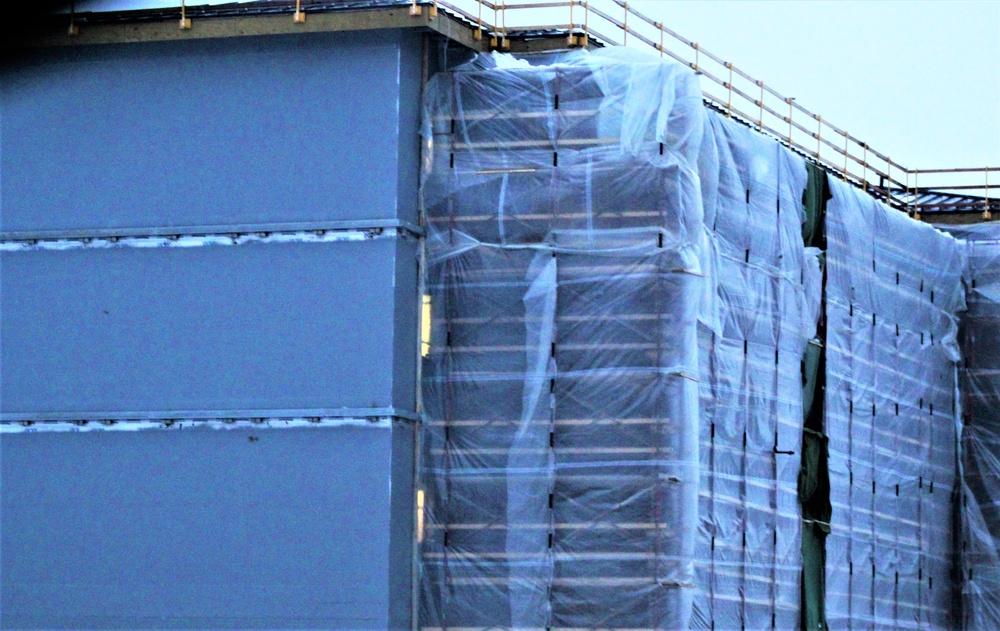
(230, 424)
(374, 226)
(29, 419)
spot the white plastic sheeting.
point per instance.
(564, 262)
(621, 301)
(980, 387)
(893, 295)
(768, 300)
(598, 244)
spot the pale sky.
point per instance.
(917, 80)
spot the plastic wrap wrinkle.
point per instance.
(622, 304)
(980, 438)
(893, 299)
(768, 290)
(565, 257)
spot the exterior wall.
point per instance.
(291, 165)
(259, 130)
(250, 528)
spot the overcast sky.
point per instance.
(919, 81)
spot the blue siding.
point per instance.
(185, 529)
(201, 528)
(256, 327)
(304, 128)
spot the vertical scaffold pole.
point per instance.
(864, 168)
(504, 44)
(729, 86)
(789, 100)
(909, 199)
(185, 20)
(571, 39)
(496, 25)
(760, 123)
(625, 25)
(888, 181)
(819, 135)
(478, 33)
(73, 28)
(847, 151)
(986, 197)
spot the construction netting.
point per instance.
(621, 301)
(893, 296)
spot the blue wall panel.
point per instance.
(252, 327)
(197, 528)
(200, 528)
(278, 129)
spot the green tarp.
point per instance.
(814, 479)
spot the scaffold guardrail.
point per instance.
(736, 94)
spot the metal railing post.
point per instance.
(909, 199)
(789, 100)
(864, 168)
(478, 33)
(625, 26)
(760, 123)
(570, 38)
(73, 29)
(888, 183)
(504, 44)
(986, 197)
(819, 136)
(185, 20)
(847, 151)
(496, 22)
(729, 85)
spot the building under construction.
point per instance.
(428, 315)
